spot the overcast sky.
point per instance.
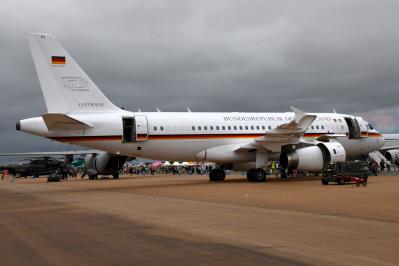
(249, 55)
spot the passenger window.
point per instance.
(193, 127)
(217, 127)
(322, 127)
(199, 127)
(229, 127)
(211, 127)
(257, 127)
(317, 127)
(312, 127)
(205, 128)
(263, 127)
(161, 128)
(246, 127)
(155, 128)
(270, 127)
(235, 128)
(252, 127)
(223, 127)
(240, 127)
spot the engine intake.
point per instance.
(104, 163)
(392, 155)
(313, 158)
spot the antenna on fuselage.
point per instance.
(158, 110)
(334, 111)
(188, 109)
(139, 110)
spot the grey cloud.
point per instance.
(211, 55)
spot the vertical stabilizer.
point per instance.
(66, 87)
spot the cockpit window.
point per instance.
(370, 126)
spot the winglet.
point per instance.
(298, 114)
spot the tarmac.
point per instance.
(187, 220)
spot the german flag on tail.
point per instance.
(58, 60)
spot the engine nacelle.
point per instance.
(314, 158)
(103, 163)
(225, 153)
(392, 155)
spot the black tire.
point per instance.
(340, 181)
(251, 175)
(324, 181)
(217, 175)
(260, 175)
(115, 176)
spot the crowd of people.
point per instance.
(143, 169)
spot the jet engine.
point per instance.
(313, 158)
(392, 155)
(103, 164)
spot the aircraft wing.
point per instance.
(391, 142)
(288, 133)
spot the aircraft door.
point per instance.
(129, 129)
(141, 128)
(354, 128)
(364, 131)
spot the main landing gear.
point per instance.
(253, 175)
(256, 175)
(217, 174)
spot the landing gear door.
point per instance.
(141, 128)
(364, 131)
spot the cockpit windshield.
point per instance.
(370, 126)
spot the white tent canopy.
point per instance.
(167, 163)
(176, 164)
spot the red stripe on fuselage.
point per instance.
(186, 136)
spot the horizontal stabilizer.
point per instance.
(61, 121)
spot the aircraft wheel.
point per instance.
(217, 175)
(115, 176)
(256, 175)
(92, 177)
(324, 181)
(251, 175)
(260, 175)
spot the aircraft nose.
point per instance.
(18, 125)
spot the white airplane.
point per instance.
(79, 113)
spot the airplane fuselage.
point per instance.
(182, 136)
